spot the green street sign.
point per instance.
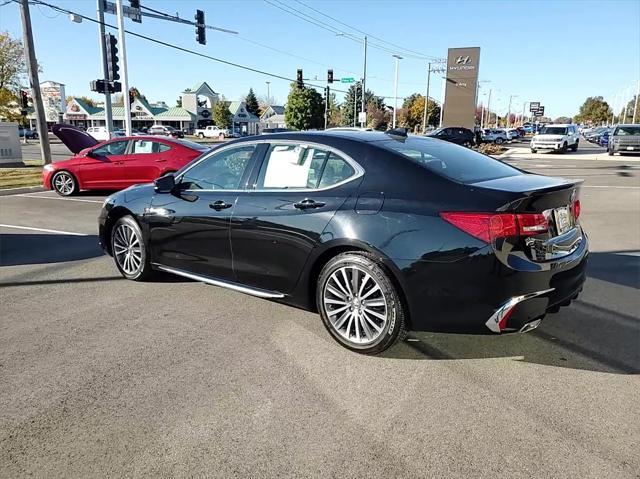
(347, 80)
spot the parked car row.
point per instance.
(624, 139)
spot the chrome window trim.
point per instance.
(359, 171)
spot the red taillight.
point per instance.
(488, 227)
(576, 209)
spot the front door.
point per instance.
(276, 226)
(104, 168)
(146, 161)
(189, 229)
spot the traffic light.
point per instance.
(201, 35)
(112, 58)
(329, 76)
(135, 3)
(98, 86)
(299, 81)
(24, 99)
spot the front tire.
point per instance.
(563, 150)
(610, 151)
(533, 150)
(64, 183)
(359, 305)
(129, 250)
(574, 147)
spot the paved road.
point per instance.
(103, 377)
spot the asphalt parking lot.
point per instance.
(102, 377)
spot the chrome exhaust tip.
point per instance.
(530, 326)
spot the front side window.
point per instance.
(220, 171)
(302, 167)
(111, 149)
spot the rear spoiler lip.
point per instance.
(561, 184)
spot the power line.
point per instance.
(182, 49)
(326, 26)
(400, 48)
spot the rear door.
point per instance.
(298, 189)
(146, 161)
(189, 229)
(104, 166)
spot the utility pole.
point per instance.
(395, 91)
(364, 80)
(36, 95)
(488, 122)
(108, 115)
(268, 94)
(425, 116)
(444, 90)
(355, 103)
(326, 106)
(123, 64)
(635, 108)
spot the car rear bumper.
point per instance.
(465, 295)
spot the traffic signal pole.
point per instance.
(32, 66)
(108, 115)
(123, 63)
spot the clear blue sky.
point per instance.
(553, 51)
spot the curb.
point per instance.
(20, 190)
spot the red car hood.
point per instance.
(74, 138)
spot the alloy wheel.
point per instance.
(127, 249)
(64, 183)
(355, 305)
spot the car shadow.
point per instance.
(21, 249)
(586, 335)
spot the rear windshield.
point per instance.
(627, 131)
(449, 160)
(553, 130)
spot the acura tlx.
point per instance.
(381, 233)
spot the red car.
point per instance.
(114, 164)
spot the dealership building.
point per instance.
(195, 111)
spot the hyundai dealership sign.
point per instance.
(461, 90)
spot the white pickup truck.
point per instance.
(212, 132)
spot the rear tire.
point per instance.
(534, 150)
(64, 183)
(221, 136)
(499, 141)
(129, 250)
(201, 135)
(359, 305)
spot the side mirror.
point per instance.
(165, 184)
(90, 154)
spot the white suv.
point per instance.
(556, 138)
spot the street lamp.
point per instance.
(364, 69)
(395, 91)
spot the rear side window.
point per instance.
(302, 167)
(451, 161)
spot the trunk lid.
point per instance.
(74, 138)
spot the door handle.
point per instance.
(161, 161)
(308, 203)
(220, 205)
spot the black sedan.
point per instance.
(379, 232)
(458, 135)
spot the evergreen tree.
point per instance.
(252, 103)
(305, 108)
(355, 92)
(221, 115)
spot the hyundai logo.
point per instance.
(463, 60)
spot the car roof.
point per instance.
(356, 135)
(561, 124)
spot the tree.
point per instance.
(85, 99)
(594, 110)
(378, 116)
(412, 112)
(305, 108)
(334, 111)
(179, 102)
(222, 117)
(251, 103)
(355, 92)
(562, 120)
(13, 67)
